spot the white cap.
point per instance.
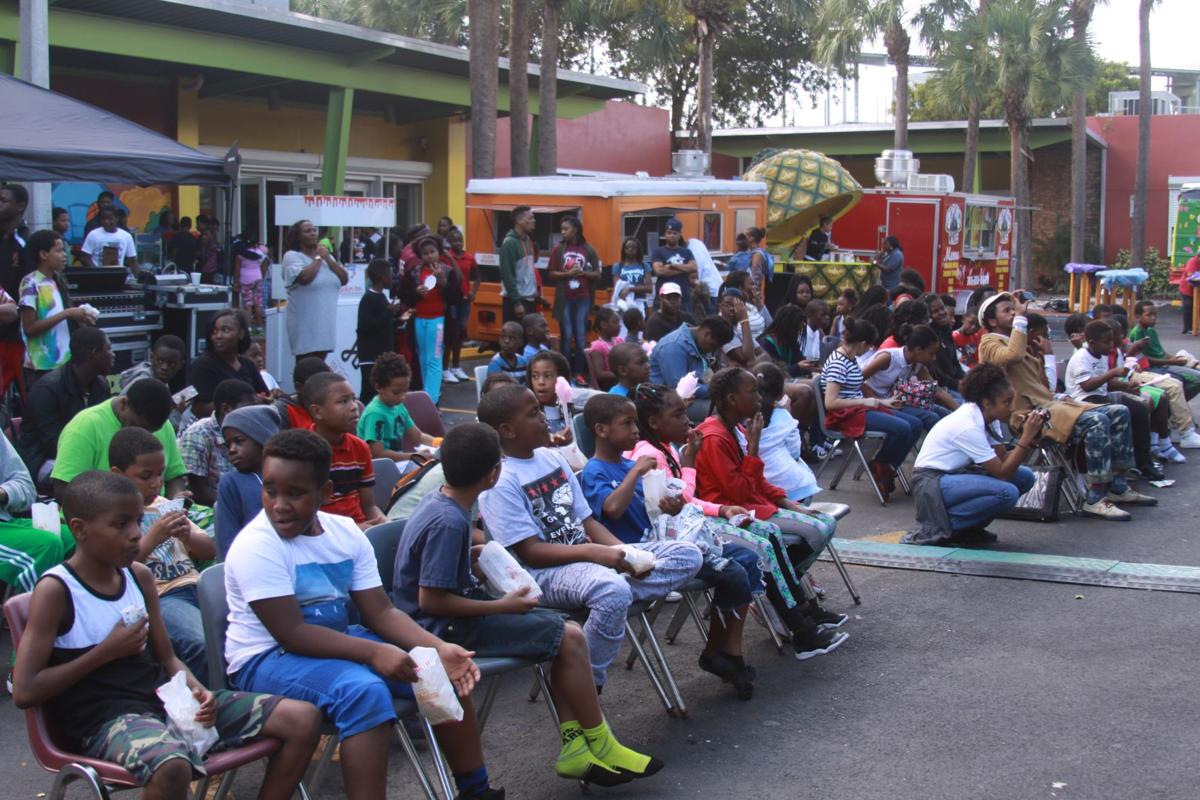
(670, 288)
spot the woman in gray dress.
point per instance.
(313, 278)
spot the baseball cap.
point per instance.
(674, 224)
(670, 288)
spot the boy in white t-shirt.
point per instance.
(291, 576)
(108, 245)
(1088, 374)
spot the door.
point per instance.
(915, 223)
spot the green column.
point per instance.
(8, 58)
(337, 140)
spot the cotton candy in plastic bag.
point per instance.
(181, 707)
(45, 517)
(504, 574)
(687, 386)
(654, 489)
(435, 693)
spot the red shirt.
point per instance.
(728, 477)
(969, 346)
(298, 416)
(467, 266)
(351, 470)
(432, 305)
(565, 258)
(1190, 268)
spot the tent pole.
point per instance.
(35, 69)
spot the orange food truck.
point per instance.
(611, 209)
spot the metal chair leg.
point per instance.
(842, 469)
(439, 761)
(489, 697)
(694, 612)
(631, 635)
(829, 456)
(841, 568)
(761, 609)
(862, 458)
(661, 658)
(410, 750)
(223, 788)
(677, 619)
(903, 479)
(318, 771)
(539, 676)
(77, 772)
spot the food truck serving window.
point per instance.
(546, 234)
(981, 229)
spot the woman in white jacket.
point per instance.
(780, 444)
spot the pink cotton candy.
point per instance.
(648, 347)
(686, 388)
(562, 390)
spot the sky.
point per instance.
(1173, 43)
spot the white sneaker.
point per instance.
(1106, 510)
(460, 374)
(1190, 440)
(1171, 454)
(1131, 497)
(449, 377)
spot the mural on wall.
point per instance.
(142, 204)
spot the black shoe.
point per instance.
(729, 671)
(825, 620)
(486, 794)
(1152, 472)
(971, 537)
(818, 644)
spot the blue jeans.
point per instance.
(902, 433)
(181, 615)
(1107, 442)
(574, 324)
(928, 417)
(430, 333)
(974, 500)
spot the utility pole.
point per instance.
(35, 69)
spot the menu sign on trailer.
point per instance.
(336, 211)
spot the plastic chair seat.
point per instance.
(424, 413)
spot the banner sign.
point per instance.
(336, 211)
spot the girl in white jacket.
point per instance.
(779, 447)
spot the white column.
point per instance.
(35, 68)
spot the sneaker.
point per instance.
(824, 450)
(449, 377)
(1131, 497)
(460, 373)
(1171, 454)
(1189, 440)
(1106, 510)
(672, 597)
(825, 620)
(818, 644)
(1152, 472)
(728, 671)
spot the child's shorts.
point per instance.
(141, 743)
(535, 636)
(353, 696)
(252, 294)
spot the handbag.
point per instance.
(1040, 503)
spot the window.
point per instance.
(546, 232)
(712, 232)
(744, 218)
(981, 229)
(647, 226)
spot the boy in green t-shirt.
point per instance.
(385, 424)
(1179, 366)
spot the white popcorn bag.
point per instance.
(45, 517)
(182, 707)
(434, 692)
(504, 574)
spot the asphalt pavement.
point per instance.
(950, 686)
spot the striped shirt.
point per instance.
(350, 471)
(845, 372)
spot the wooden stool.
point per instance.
(1195, 313)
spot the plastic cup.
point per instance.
(195, 279)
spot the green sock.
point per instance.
(575, 760)
(612, 753)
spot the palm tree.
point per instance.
(518, 85)
(1081, 20)
(485, 77)
(1036, 62)
(547, 148)
(711, 17)
(847, 24)
(956, 35)
(1137, 241)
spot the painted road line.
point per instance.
(1025, 566)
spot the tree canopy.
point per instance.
(930, 103)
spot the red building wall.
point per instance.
(622, 137)
(1173, 151)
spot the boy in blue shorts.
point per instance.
(290, 576)
(435, 586)
(95, 649)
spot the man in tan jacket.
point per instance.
(1104, 431)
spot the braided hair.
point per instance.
(650, 399)
(723, 386)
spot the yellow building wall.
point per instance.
(187, 131)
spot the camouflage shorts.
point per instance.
(141, 743)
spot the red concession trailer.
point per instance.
(956, 241)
